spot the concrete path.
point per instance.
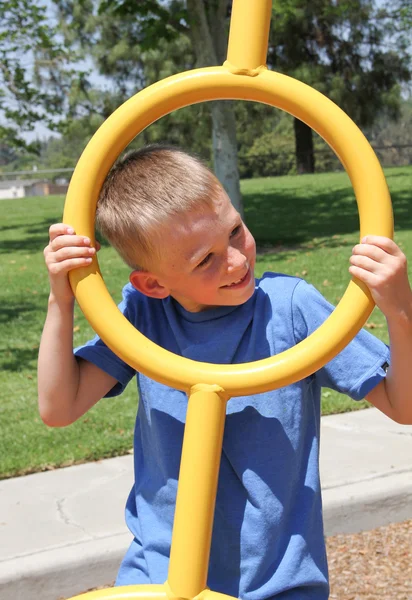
(63, 532)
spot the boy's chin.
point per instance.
(239, 299)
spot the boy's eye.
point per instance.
(235, 231)
(205, 260)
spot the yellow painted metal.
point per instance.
(210, 595)
(146, 592)
(307, 104)
(129, 592)
(244, 77)
(248, 35)
(195, 503)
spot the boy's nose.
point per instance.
(237, 261)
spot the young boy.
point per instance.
(192, 290)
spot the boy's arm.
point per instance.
(393, 394)
(67, 387)
(382, 266)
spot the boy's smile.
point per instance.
(206, 258)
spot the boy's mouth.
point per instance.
(238, 281)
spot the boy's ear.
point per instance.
(148, 284)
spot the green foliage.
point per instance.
(392, 140)
(157, 20)
(118, 46)
(355, 52)
(34, 71)
(352, 51)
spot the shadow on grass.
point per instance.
(10, 313)
(33, 238)
(284, 217)
(18, 359)
(18, 354)
(276, 215)
(26, 239)
(399, 172)
(28, 245)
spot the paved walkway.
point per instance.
(62, 532)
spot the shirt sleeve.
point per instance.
(359, 367)
(96, 351)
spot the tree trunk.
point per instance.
(207, 32)
(305, 157)
(225, 151)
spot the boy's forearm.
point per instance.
(399, 378)
(58, 370)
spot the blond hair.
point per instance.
(145, 188)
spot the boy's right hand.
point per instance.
(64, 252)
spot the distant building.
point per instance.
(22, 188)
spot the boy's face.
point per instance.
(207, 259)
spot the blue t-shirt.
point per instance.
(268, 532)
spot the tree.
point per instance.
(205, 24)
(118, 49)
(34, 71)
(353, 51)
(392, 139)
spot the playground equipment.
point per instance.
(243, 76)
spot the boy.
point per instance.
(192, 290)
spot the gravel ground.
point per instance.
(372, 565)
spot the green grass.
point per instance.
(303, 225)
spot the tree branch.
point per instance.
(201, 36)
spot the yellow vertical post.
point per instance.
(249, 34)
(196, 495)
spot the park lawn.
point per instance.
(303, 225)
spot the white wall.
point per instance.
(12, 192)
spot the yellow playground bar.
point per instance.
(243, 76)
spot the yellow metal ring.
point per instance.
(290, 95)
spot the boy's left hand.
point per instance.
(382, 266)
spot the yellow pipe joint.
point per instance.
(248, 36)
